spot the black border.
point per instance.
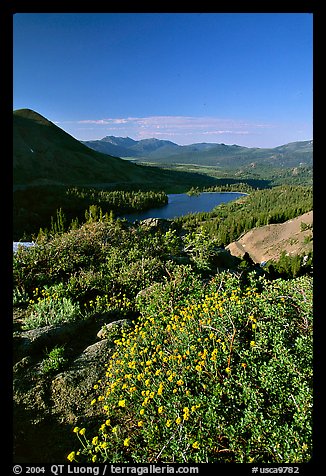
(7, 10)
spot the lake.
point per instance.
(181, 204)
(26, 244)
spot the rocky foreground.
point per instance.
(48, 405)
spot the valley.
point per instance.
(134, 341)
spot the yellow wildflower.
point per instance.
(71, 456)
(126, 442)
(160, 389)
(122, 403)
(186, 413)
(195, 445)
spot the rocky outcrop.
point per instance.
(267, 242)
(157, 224)
(73, 389)
(113, 329)
(47, 405)
(33, 341)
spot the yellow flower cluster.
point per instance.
(165, 364)
(105, 303)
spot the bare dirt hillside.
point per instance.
(268, 242)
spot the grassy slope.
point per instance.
(45, 154)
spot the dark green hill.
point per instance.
(45, 154)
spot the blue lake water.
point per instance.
(181, 204)
(26, 244)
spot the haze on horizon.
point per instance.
(234, 78)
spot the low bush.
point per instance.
(53, 361)
(49, 307)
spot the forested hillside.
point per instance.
(262, 207)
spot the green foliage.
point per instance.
(53, 361)
(172, 292)
(51, 210)
(216, 367)
(229, 220)
(305, 226)
(20, 297)
(58, 224)
(48, 308)
(95, 264)
(289, 266)
(224, 377)
(201, 248)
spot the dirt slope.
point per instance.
(268, 242)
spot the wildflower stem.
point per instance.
(231, 345)
(159, 454)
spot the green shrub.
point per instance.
(48, 308)
(20, 297)
(53, 361)
(173, 292)
(226, 377)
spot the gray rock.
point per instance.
(73, 390)
(156, 224)
(35, 340)
(113, 329)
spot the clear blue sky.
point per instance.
(236, 78)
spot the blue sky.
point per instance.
(236, 78)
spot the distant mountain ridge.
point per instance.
(127, 147)
(45, 155)
(212, 154)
